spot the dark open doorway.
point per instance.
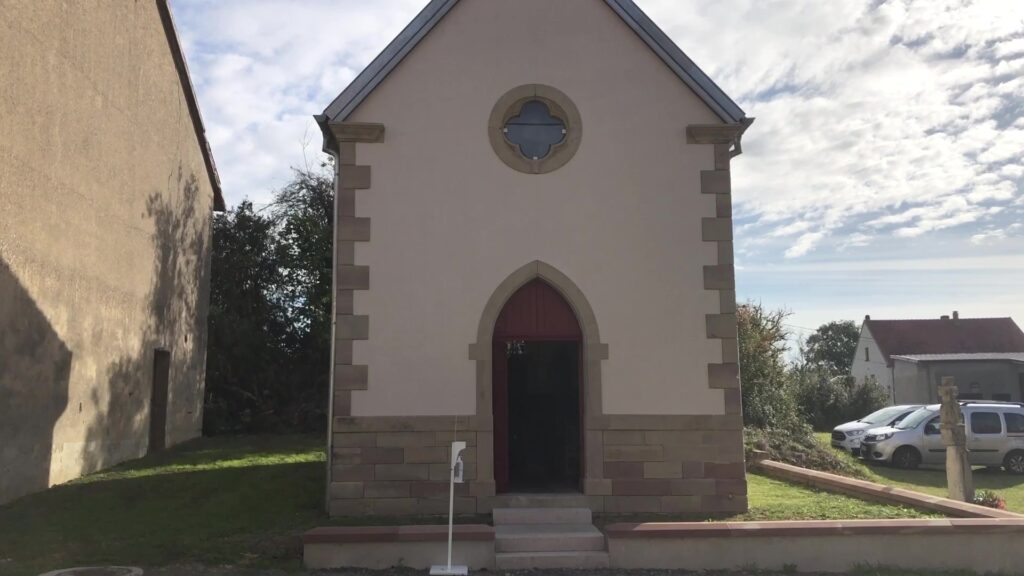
(537, 393)
(543, 423)
(158, 400)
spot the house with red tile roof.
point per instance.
(909, 358)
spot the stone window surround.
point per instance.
(559, 105)
(607, 437)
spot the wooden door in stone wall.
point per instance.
(537, 393)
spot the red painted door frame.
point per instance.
(535, 313)
(499, 395)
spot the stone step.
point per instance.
(530, 560)
(505, 516)
(548, 538)
(557, 500)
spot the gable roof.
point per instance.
(709, 92)
(945, 336)
(167, 20)
(1014, 357)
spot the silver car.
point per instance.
(995, 437)
(847, 437)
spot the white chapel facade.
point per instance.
(534, 246)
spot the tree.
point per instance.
(832, 347)
(247, 322)
(826, 401)
(826, 393)
(303, 212)
(268, 359)
(767, 402)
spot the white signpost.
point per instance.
(455, 477)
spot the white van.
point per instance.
(847, 437)
(995, 437)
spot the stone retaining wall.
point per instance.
(380, 547)
(980, 545)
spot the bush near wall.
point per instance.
(825, 401)
(782, 401)
(797, 445)
(768, 399)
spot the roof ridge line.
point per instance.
(192, 102)
(636, 19)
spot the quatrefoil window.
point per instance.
(535, 131)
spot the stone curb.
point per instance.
(879, 492)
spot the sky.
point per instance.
(884, 173)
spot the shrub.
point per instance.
(989, 499)
(827, 401)
(768, 401)
(797, 445)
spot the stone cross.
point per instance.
(954, 435)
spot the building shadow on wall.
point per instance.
(35, 367)
(176, 309)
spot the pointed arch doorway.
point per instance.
(537, 393)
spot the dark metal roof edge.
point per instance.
(677, 60)
(631, 14)
(387, 60)
(167, 19)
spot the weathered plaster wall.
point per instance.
(105, 208)
(450, 221)
(874, 364)
(991, 377)
(910, 383)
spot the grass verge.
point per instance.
(933, 481)
(215, 501)
(244, 501)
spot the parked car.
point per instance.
(847, 437)
(995, 437)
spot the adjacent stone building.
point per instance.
(908, 358)
(106, 192)
(978, 376)
(534, 248)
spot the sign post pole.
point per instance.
(454, 477)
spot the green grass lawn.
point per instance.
(244, 501)
(772, 499)
(933, 481)
(219, 500)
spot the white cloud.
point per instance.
(996, 235)
(894, 112)
(263, 68)
(856, 240)
(901, 116)
(804, 244)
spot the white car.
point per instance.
(847, 437)
(995, 437)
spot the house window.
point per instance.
(1001, 397)
(534, 130)
(986, 423)
(1014, 423)
(867, 354)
